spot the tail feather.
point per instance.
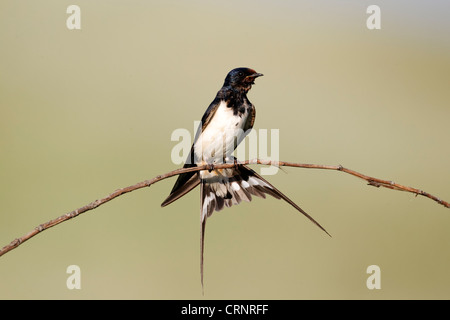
(228, 187)
(202, 249)
(270, 189)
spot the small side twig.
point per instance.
(147, 183)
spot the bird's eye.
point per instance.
(240, 74)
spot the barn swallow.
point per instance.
(226, 122)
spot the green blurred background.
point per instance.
(84, 112)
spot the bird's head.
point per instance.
(241, 78)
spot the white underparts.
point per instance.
(218, 140)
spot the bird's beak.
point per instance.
(256, 75)
(251, 78)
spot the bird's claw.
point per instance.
(236, 165)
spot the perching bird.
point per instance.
(226, 122)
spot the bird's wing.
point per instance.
(248, 125)
(250, 119)
(188, 181)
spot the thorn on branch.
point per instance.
(374, 183)
(72, 214)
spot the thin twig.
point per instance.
(147, 183)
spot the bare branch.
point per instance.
(147, 183)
